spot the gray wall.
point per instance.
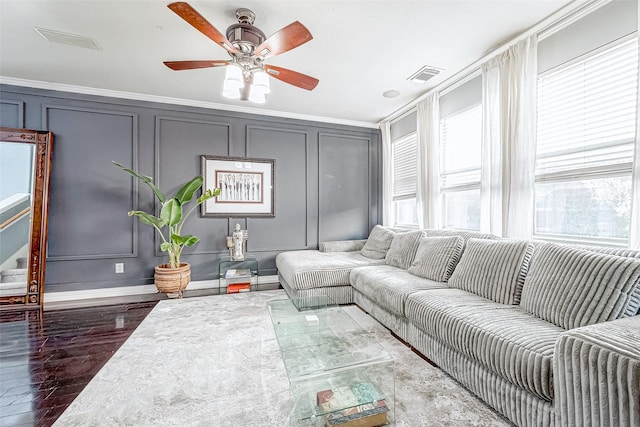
(328, 182)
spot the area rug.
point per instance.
(214, 361)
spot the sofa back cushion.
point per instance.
(437, 257)
(494, 269)
(573, 287)
(403, 249)
(378, 243)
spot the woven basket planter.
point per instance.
(172, 280)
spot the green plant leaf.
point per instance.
(171, 212)
(177, 239)
(164, 247)
(148, 219)
(186, 192)
(209, 194)
(146, 179)
(190, 240)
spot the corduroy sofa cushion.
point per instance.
(403, 249)
(572, 287)
(437, 257)
(494, 269)
(504, 338)
(314, 269)
(378, 243)
(389, 286)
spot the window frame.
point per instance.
(471, 185)
(579, 174)
(413, 135)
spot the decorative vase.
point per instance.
(172, 280)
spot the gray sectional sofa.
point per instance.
(546, 334)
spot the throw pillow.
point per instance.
(437, 257)
(493, 269)
(573, 287)
(378, 243)
(403, 249)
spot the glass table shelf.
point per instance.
(232, 272)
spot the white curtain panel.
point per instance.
(491, 181)
(509, 86)
(387, 175)
(428, 198)
(634, 232)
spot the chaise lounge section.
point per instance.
(546, 334)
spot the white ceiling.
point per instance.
(361, 48)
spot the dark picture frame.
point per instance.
(247, 187)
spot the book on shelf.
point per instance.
(234, 288)
(237, 273)
(355, 405)
(367, 415)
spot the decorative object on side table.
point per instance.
(237, 243)
(174, 276)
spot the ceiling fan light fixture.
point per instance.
(257, 97)
(261, 83)
(233, 77)
(245, 76)
(259, 87)
(231, 93)
(233, 82)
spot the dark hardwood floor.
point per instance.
(47, 358)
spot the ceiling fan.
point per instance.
(246, 73)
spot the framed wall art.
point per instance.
(247, 186)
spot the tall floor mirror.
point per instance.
(25, 172)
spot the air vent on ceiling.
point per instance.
(424, 74)
(68, 39)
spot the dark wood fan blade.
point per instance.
(197, 21)
(292, 77)
(289, 37)
(191, 65)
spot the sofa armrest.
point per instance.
(597, 374)
(342, 245)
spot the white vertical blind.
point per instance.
(587, 112)
(405, 167)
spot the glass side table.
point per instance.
(238, 275)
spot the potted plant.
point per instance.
(174, 276)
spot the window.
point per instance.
(460, 167)
(584, 153)
(405, 179)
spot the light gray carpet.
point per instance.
(214, 361)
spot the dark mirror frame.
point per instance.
(43, 142)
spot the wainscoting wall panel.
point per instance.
(180, 143)
(327, 182)
(288, 229)
(89, 196)
(345, 187)
(11, 114)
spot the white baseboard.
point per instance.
(66, 296)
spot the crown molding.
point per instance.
(85, 90)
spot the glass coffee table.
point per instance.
(338, 371)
